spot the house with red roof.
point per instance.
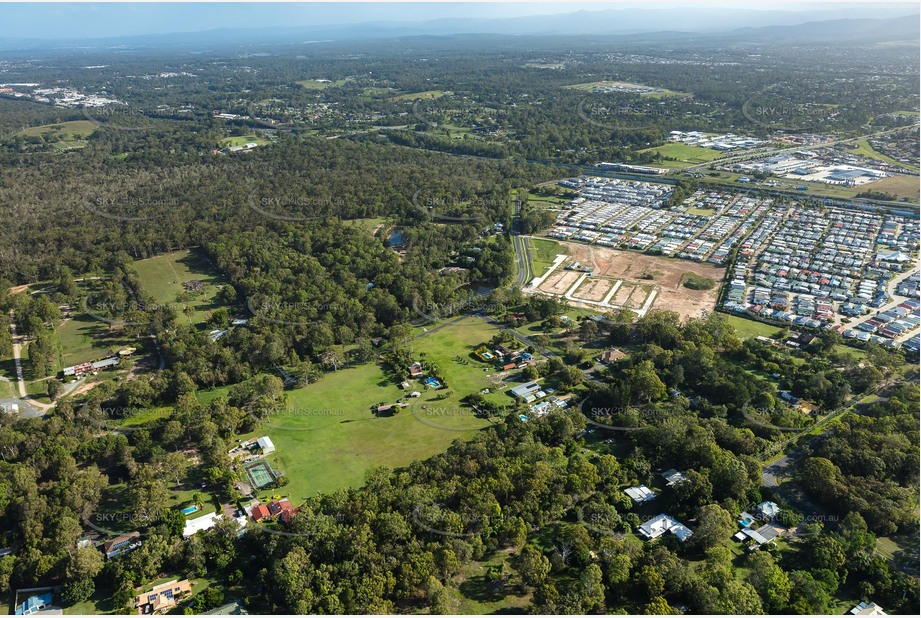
(260, 513)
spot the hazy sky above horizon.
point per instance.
(93, 20)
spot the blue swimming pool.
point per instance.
(189, 510)
(522, 417)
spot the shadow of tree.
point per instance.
(479, 588)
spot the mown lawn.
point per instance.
(328, 437)
(242, 140)
(543, 253)
(746, 329)
(162, 277)
(684, 154)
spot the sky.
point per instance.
(104, 19)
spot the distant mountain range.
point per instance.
(860, 23)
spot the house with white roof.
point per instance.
(768, 510)
(660, 524)
(640, 494)
(868, 609)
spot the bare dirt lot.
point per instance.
(560, 281)
(666, 274)
(638, 297)
(593, 289)
(622, 294)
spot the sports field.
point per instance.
(260, 474)
(242, 140)
(163, 276)
(684, 155)
(328, 437)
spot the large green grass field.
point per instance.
(747, 329)
(84, 338)
(241, 140)
(544, 251)
(162, 277)
(684, 154)
(63, 135)
(62, 131)
(328, 437)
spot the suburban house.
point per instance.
(261, 512)
(660, 524)
(283, 510)
(484, 354)
(768, 510)
(529, 391)
(37, 605)
(415, 370)
(764, 512)
(206, 522)
(611, 356)
(121, 544)
(640, 494)
(163, 597)
(867, 609)
(672, 477)
(762, 536)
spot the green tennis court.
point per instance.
(260, 474)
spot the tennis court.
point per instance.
(260, 474)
